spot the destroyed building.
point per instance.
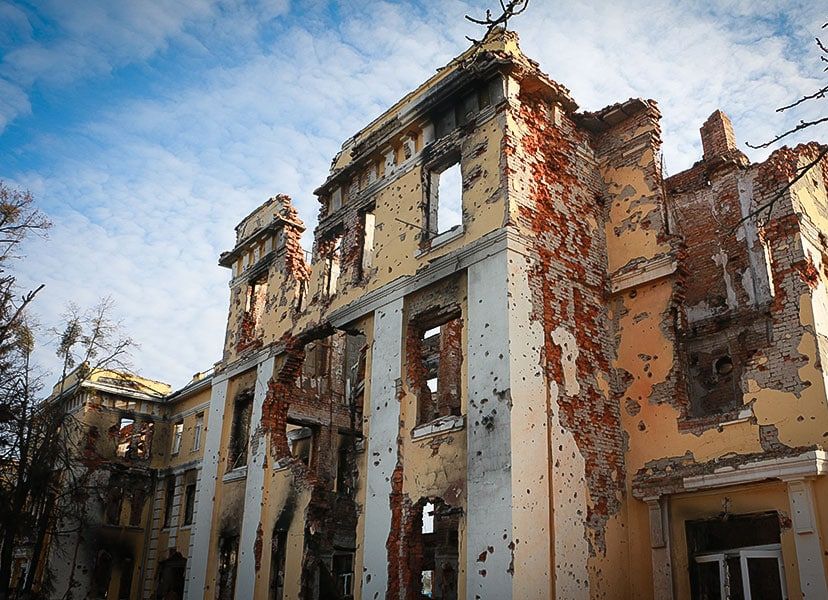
(522, 363)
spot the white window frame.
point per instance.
(745, 554)
(178, 436)
(198, 429)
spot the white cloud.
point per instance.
(146, 195)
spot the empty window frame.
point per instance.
(439, 352)
(301, 442)
(198, 430)
(228, 561)
(102, 574)
(739, 557)
(444, 206)
(134, 439)
(367, 259)
(333, 264)
(240, 431)
(189, 503)
(125, 585)
(437, 535)
(114, 504)
(343, 572)
(136, 506)
(178, 434)
(278, 554)
(254, 305)
(169, 499)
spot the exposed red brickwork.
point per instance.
(717, 135)
(569, 288)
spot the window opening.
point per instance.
(125, 585)
(114, 504)
(736, 558)
(368, 222)
(437, 535)
(189, 503)
(278, 554)
(178, 433)
(169, 496)
(197, 431)
(343, 571)
(228, 560)
(300, 442)
(136, 506)
(440, 357)
(240, 433)
(333, 262)
(445, 201)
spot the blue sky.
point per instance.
(147, 129)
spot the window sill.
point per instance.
(235, 474)
(441, 239)
(744, 415)
(438, 426)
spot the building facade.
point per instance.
(522, 363)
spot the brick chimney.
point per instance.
(717, 135)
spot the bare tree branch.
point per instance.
(509, 9)
(802, 125)
(816, 95)
(768, 206)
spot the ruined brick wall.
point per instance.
(560, 207)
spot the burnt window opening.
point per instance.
(301, 441)
(125, 585)
(189, 503)
(228, 562)
(355, 356)
(444, 202)
(713, 381)
(102, 574)
(278, 555)
(136, 506)
(134, 438)
(437, 373)
(169, 498)
(343, 574)
(114, 505)
(240, 431)
(367, 244)
(345, 467)
(436, 532)
(736, 557)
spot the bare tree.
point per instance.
(766, 208)
(53, 462)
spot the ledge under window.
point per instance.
(235, 474)
(444, 238)
(445, 424)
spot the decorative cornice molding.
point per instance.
(807, 464)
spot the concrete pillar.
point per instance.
(806, 538)
(660, 545)
(381, 444)
(489, 470)
(205, 494)
(246, 574)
